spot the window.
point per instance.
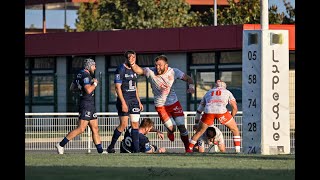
(40, 81)
(233, 79)
(26, 89)
(26, 63)
(77, 63)
(115, 61)
(203, 58)
(219, 65)
(231, 57)
(43, 89)
(44, 63)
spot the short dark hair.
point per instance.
(128, 52)
(146, 122)
(161, 57)
(213, 130)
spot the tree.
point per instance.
(290, 18)
(136, 14)
(241, 12)
(88, 15)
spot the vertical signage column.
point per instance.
(265, 92)
(251, 92)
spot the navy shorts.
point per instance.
(133, 107)
(87, 112)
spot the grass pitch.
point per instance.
(175, 166)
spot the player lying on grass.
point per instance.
(146, 126)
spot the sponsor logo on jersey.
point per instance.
(117, 77)
(86, 80)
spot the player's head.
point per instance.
(146, 124)
(128, 53)
(161, 64)
(89, 65)
(221, 84)
(130, 57)
(211, 132)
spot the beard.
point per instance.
(160, 71)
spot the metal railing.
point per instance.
(44, 130)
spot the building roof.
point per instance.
(187, 39)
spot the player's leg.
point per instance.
(201, 129)
(134, 110)
(123, 117)
(167, 121)
(176, 112)
(184, 134)
(232, 125)
(134, 118)
(93, 124)
(229, 121)
(117, 133)
(82, 125)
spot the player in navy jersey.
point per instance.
(85, 85)
(146, 126)
(128, 102)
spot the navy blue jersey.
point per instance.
(87, 110)
(127, 144)
(83, 78)
(128, 79)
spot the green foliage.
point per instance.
(247, 12)
(290, 18)
(88, 15)
(147, 14)
(136, 14)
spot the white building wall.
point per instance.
(179, 60)
(62, 85)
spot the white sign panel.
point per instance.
(265, 92)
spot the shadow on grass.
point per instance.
(154, 173)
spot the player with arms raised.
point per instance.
(166, 101)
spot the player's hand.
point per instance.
(124, 108)
(95, 81)
(132, 59)
(190, 90)
(160, 135)
(161, 150)
(141, 107)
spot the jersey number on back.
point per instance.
(218, 93)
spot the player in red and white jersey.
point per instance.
(213, 104)
(166, 101)
(213, 137)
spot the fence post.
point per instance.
(89, 140)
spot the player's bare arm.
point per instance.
(159, 133)
(234, 106)
(91, 87)
(135, 67)
(190, 82)
(138, 98)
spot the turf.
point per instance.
(49, 166)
